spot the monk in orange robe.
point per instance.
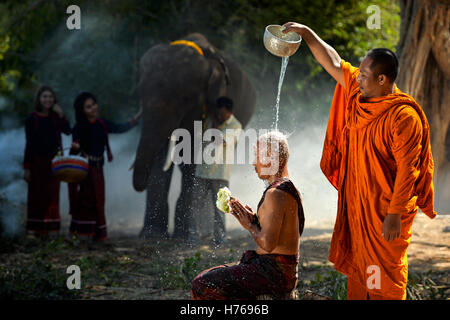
(377, 154)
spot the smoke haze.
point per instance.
(95, 60)
(125, 207)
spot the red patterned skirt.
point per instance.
(255, 275)
(43, 197)
(87, 205)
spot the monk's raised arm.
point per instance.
(271, 215)
(325, 54)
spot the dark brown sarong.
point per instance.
(43, 197)
(254, 275)
(87, 205)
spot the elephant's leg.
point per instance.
(157, 207)
(184, 208)
(199, 200)
(219, 217)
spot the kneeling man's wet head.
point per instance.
(271, 155)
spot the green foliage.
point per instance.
(23, 27)
(307, 88)
(422, 286)
(336, 284)
(101, 270)
(354, 38)
(328, 282)
(37, 280)
(180, 276)
(331, 284)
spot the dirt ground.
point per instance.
(128, 268)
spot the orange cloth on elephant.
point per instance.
(377, 154)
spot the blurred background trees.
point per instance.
(424, 53)
(36, 48)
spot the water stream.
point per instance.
(284, 63)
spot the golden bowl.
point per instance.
(279, 43)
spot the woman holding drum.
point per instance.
(43, 129)
(90, 138)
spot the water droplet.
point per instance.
(284, 63)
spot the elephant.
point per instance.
(179, 84)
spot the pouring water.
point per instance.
(284, 63)
(282, 45)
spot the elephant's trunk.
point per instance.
(142, 164)
(157, 127)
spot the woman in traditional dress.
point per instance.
(43, 129)
(90, 138)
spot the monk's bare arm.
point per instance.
(325, 54)
(271, 215)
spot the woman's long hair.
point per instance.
(82, 121)
(37, 98)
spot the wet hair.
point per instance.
(37, 97)
(279, 141)
(225, 102)
(81, 119)
(384, 61)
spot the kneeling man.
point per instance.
(276, 229)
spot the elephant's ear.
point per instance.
(213, 54)
(217, 82)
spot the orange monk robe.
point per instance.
(377, 154)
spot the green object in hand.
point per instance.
(223, 199)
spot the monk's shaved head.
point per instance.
(274, 145)
(383, 61)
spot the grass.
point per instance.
(132, 269)
(38, 279)
(326, 282)
(426, 286)
(181, 274)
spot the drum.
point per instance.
(72, 169)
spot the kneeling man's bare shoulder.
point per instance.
(275, 200)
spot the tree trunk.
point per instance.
(424, 54)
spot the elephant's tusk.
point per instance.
(132, 166)
(169, 157)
